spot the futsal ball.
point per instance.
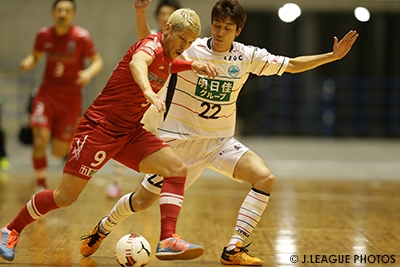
(132, 250)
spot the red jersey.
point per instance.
(65, 58)
(122, 102)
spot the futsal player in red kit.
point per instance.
(57, 106)
(111, 129)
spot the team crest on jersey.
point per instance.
(233, 71)
(71, 46)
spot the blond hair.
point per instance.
(185, 18)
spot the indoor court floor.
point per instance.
(336, 202)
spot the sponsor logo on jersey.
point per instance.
(215, 90)
(148, 50)
(156, 82)
(234, 57)
(149, 47)
(152, 45)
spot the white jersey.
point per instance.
(206, 108)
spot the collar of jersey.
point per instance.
(209, 44)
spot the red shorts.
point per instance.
(95, 143)
(60, 117)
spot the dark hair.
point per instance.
(57, 1)
(229, 8)
(172, 3)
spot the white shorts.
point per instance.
(220, 155)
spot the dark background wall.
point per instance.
(356, 96)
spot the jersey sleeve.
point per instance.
(85, 40)
(90, 49)
(151, 48)
(264, 63)
(40, 40)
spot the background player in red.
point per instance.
(111, 128)
(57, 106)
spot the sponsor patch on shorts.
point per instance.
(86, 171)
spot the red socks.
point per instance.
(37, 207)
(39, 163)
(171, 199)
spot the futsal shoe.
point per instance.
(92, 241)
(239, 256)
(175, 248)
(9, 240)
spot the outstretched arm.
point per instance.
(142, 26)
(340, 49)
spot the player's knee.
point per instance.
(59, 151)
(181, 169)
(269, 180)
(64, 200)
(178, 169)
(265, 183)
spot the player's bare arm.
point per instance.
(142, 26)
(86, 75)
(139, 69)
(142, 4)
(30, 61)
(340, 49)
